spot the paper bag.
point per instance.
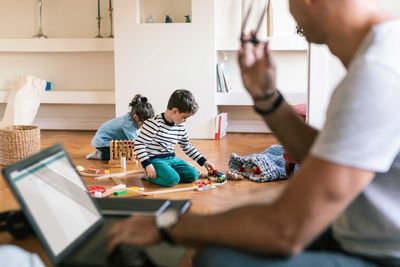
(23, 101)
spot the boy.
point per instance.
(155, 144)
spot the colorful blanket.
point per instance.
(264, 167)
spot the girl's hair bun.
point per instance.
(136, 99)
(141, 107)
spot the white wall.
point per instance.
(327, 71)
(155, 59)
(392, 6)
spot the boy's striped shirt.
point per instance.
(157, 139)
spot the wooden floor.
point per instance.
(232, 194)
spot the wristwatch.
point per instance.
(165, 222)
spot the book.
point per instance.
(220, 79)
(221, 125)
(226, 78)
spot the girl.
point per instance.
(121, 128)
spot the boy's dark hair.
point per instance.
(141, 107)
(184, 101)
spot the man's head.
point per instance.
(182, 105)
(321, 19)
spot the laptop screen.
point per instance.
(57, 200)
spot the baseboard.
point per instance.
(247, 126)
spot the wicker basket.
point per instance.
(18, 142)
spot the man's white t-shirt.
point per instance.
(362, 130)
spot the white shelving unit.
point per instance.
(61, 45)
(276, 44)
(80, 67)
(290, 53)
(57, 45)
(244, 99)
(158, 9)
(72, 97)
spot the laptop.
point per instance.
(139, 206)
(66, 220)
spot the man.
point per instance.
(350, 171)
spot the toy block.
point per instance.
(122, 148)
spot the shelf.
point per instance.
(296, 43)
(72, 97)
(57, 45)
(155, 11)
(244, 99)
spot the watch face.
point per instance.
(167, 219)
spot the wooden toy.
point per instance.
(80, 168)
(234, 176)
(215, 177)
(193, 187)
(119, 174)
(92, 172)
(122, 148)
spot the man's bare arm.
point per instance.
(315, 196)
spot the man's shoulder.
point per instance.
(380, 47)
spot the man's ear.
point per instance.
(135, 117)
(175, 110)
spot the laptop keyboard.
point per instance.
(94, 253)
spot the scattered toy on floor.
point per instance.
(214, 176)
(196, 186)
(93, 170)
(92, 189)
(80, 168)
(121, 193)
(234, 176)
(204, 185)
(117, 175)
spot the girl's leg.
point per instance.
(105, 152)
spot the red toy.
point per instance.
(92, 189)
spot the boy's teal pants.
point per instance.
(172, 170)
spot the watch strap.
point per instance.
(275, 105)
(166, 235)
